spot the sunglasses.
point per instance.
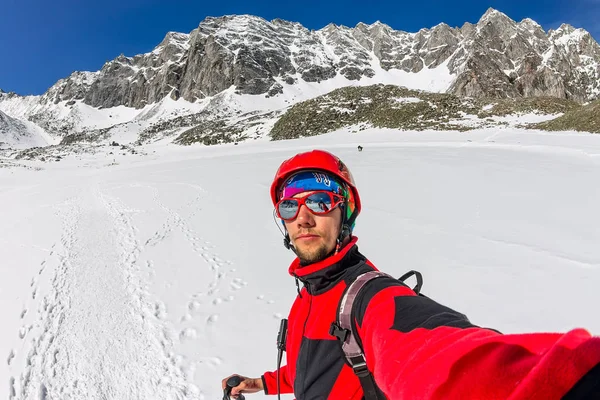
(318, 203)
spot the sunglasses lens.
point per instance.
(287, 208)
(319, 203)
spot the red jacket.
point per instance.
(418, 349)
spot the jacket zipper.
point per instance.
(303, 332)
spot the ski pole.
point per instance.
(281, 339)
(230, 384)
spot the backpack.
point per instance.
(343, 330)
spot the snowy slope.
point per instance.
(15, 133)
(62, 118)
(155, 277)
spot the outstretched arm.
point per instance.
(417, 348)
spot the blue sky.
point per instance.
(42, 41)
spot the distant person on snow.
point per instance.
(400, 345)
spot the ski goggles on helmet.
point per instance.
(308, 181)
(318, 203)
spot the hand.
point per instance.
(248, 385)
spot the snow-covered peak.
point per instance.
(492, 14)
(529, 22)
(362, 25)
(530, 25)
(441, 25)
(7, 95)
(567, 34)
(380, 24)
(234, 31)
(286, 24)
(172, 46)
(563, 29)
(329, 28)
(467, 28)
(233, 23)
(376, 26)
(177, 39)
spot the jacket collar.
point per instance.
(320, 276)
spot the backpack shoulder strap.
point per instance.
(343, 330)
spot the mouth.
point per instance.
(307, 237)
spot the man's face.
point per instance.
(314, 236)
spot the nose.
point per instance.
(305, 217)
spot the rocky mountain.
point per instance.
(229, 57)
(501, 58)
(497, 57)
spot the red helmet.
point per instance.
(319, 160)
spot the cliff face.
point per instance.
(497, 57)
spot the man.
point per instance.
(414, 347)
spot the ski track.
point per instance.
(97, 332)
(217, 267)
(96, 335)
(49, 319)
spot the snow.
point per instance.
(547, 56)
(436, 79)
(567, 38)
(530, 25)
(20, 107)
(168, 108)
(180, 40)
(87, 117)
(403, 100)
(125, 122)
(526, 118)
(84, 77)
(18, 134)
(501, 122)
(157, 276)
(92, 117)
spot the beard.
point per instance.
(313, 255)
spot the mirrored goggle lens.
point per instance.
(318, 203)
(288, 208)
